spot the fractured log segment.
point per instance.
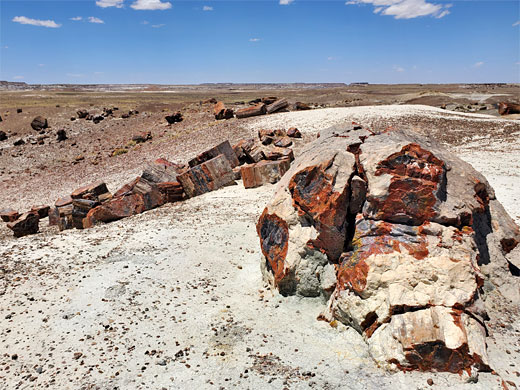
(277, 106)
(259, 109)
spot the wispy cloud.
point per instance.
(36, 22)
(158, 25)
(109, 3)
(255, 39)
(76, 18)
(478, 64)
(517, 23)
(398, 68)
(286, 2)
(41, 65)
(405, 9)
(143, 5)
(145, 22)
(18, 77)
(75, 75)
(331, 58)
(93, 19)
(207, 8)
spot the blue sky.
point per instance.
(178, 42)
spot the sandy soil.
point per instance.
(173, 298)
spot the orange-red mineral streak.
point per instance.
(313, 195)
(274, 238)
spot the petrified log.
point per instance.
(293, 132)
(277, 106)
(42, 211)
(222, 148)
(91, 191)
(115, 209)
(39, 123)
(9, 215)
(508, 108)
(174, 118)
(221, 112)
(263, 172)
(399, 235)
(259, 109)
(208, 176)
(269, 99)
(26, 224)
(299, 106)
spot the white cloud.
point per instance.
(398, 68)
(142, 5)
(478, 64)
(158, 25)
(36, 22)
(254, 39)
(286, 2)
(76, 18)
(207, 8)
(331, 58)
(405, 9)
(18, 77)
(93, 19)
(109, 3)
(75, 75)
(5, 47)
(145, 22)
(517, 23)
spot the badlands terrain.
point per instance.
(174, 297)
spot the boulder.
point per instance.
(174, 118)
(223, 148)
(3, 136)
(259, 109)
(27, 223)
(208, 176)
(19, 142)
(399, 235)
(263, 172)
(221, 112)
(9, 215)
(39, 123)
(293, 132)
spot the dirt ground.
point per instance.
(173, 298)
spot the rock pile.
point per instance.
(399, 235)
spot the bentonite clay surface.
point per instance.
(173, 298)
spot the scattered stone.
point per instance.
(18, 110)
(174, 118)
(9, 215)
(222, 148)
(97, 119)
(259, 109)
(221, 112)
(39, 123)
(208, 176)
(82, 114)
(379, 224)
(19, 142)
(263, 172)
(142, 137)
(3, 136)
(248, 151)
(293, 132)
(61, 135)
(27, 223)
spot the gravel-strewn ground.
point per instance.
(173, 298)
